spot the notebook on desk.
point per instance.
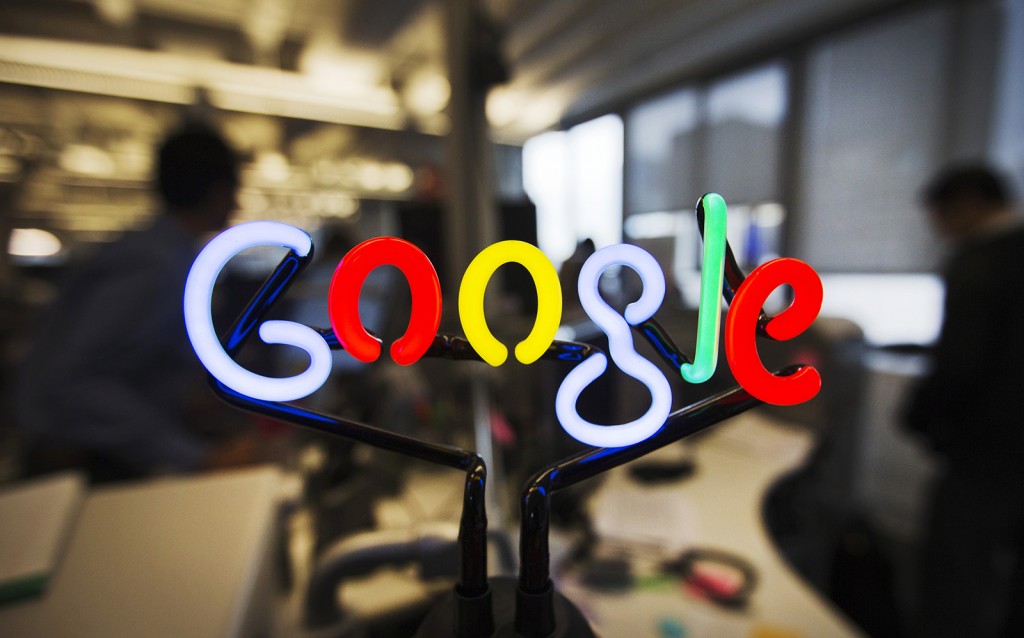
(36, 518)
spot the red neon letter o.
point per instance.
(343, 300)
(741, 330)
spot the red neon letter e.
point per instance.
(741, 330)
(343, 300)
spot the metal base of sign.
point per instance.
(497, 613)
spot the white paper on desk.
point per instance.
(35, 520)
(623, 511)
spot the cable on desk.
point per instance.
(687, 566)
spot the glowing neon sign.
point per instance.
(740, 343)
(343, 299)
(471, 301)
(712, 272)
(620, 346)
(199, 322)
(356, 265)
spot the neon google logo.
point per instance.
(740, 329)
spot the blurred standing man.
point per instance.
(110, 373)
(970, 410)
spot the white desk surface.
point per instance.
(718, 507)
(170, 557)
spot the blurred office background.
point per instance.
(459, 123)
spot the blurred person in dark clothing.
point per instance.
(970, 410)
(108, 380)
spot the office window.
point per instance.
(574, 178)
(1007, 133)
(873, 133)
(725, 137)
(660, 151)
(745, 115)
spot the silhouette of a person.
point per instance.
(970, 410)
(109, 374)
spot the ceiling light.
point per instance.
(335, 204)
(10, 168)
(372, 176)
(426, 92)
(33, 244)
(503, 106)
(350, 91)
(86, 159)
(273, 167)
(397, 177)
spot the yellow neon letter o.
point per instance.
(471, 301)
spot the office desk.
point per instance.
(170, 557)
(718, 507)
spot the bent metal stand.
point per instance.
(501, 607)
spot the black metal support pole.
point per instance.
(535, 591)
(663, 344)
(473, 525)
(473, 532)
(473, 608)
